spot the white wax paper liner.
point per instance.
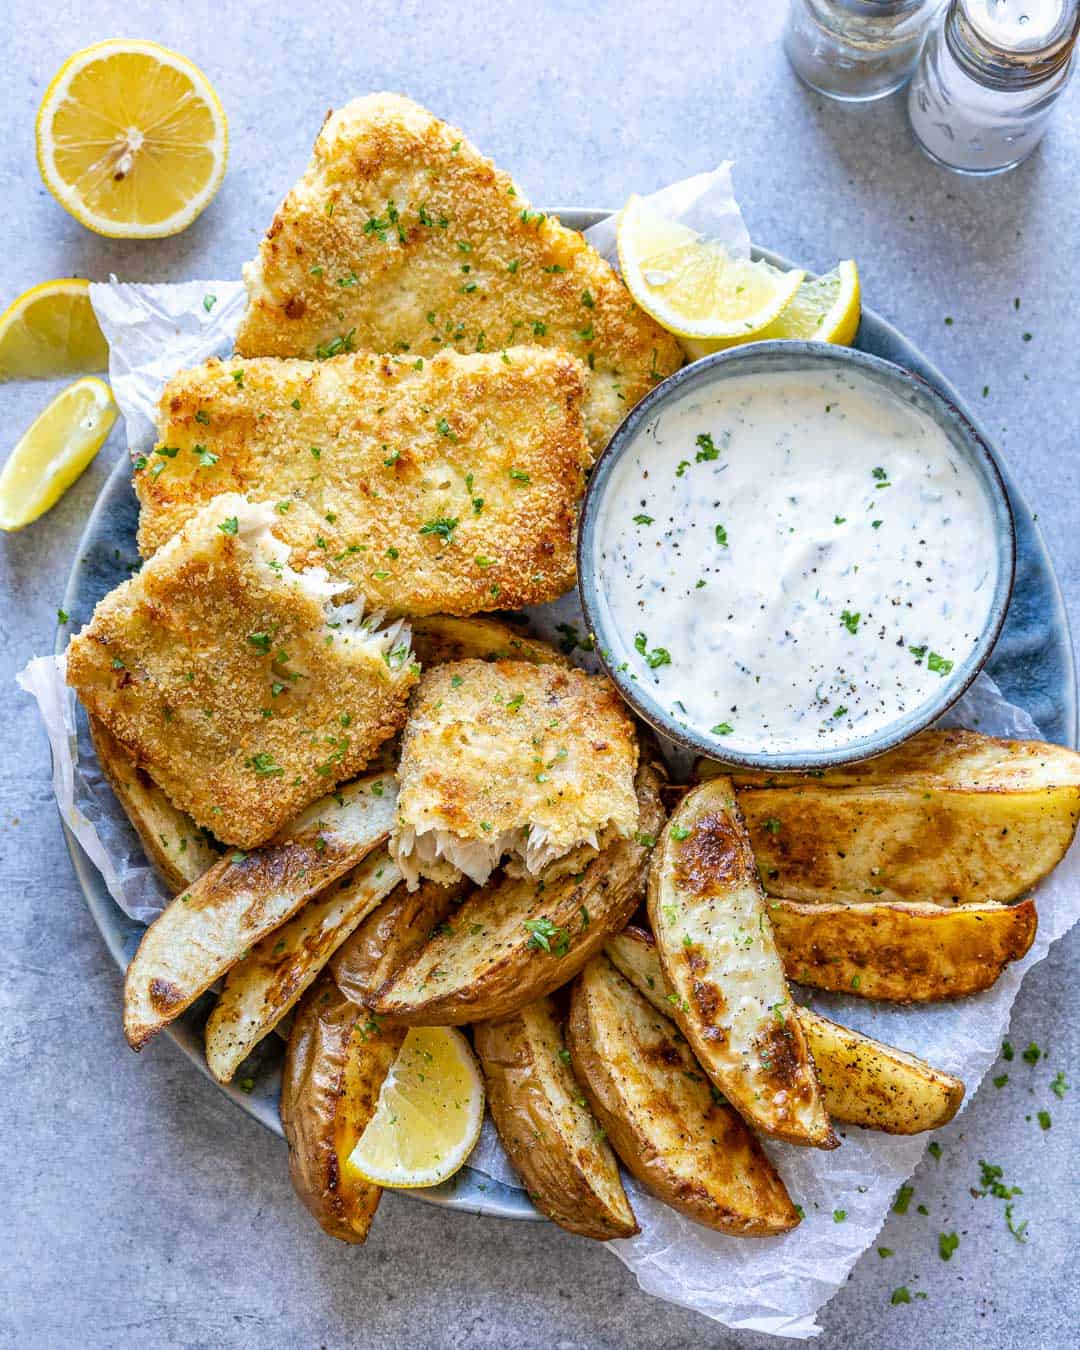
(773, 1285)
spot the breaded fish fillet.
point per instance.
(511, 757)
(240, 675)
(402, 237)
(453, 481)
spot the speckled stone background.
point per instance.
(137, 1206)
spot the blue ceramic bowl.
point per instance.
(753, 359)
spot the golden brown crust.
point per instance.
(665, 1123)
(907, 953)
(335, 1064)
(550, 1136)
(491, 747)
(391, 211)
(183, 663)
(493, 442)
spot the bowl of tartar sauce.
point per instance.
(793, 555)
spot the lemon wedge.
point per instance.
(825, 309)
(51, 330)
(691, 285)
(429, 1112)
(131, 139)
(56, 449)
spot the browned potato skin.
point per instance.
(950, 817)
(902, 953)
(492, 978)
(440, 638)
(692, 1152)
(571, 1175)
(335, 1063)
(732, 1001)
(389, 936)
(863, 1081)
(176, 847)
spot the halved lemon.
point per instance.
(55, 450)
(691, 285)
(825, 309)
(131, 139)
(429, 1114)
(51, 330)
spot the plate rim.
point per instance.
(472, 1191)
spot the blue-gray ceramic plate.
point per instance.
(1032, 662)
(909, 389)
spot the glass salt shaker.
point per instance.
(988, 81)
(856, 50)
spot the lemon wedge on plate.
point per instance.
(131, 139)
(825, 309)
(56, 449)
(429, 1112)
(691, 285)
(51, 330)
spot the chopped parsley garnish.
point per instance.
(444, 527)
(1044, 1120)
(722, 729)
(443, 428)
(208, 302)
(679, 833)
(587, 300)
(772, 825)
(659, 656)
(519, 476)
(262, 642)
(939, 664)
(207, 458)
(344, 342)
(903, 1199)
(571, 639)
(229, 525)
(264, 765)
(901, 1295)
(839, 520)
(643, 520)
(839, 712)
(545, 936)
(706, 449)
(934, 1149)
(947, 1243)
(62, 617)
(851, 621)
(682, 467)
(1058, 1086)
(721, 536)
(839, 1215)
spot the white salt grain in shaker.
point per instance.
(990, 75)
(856, 50)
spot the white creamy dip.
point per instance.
(793, 561)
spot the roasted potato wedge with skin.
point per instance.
(441, 638)
(950, 817)
(551, 1138)
(335, 1063)
(260, 989)
(214, 923)
(389, 936)
(177, 848)
(903, 953)
(864, 1082)
(717, 952)
(663, 1118)
(517, 939)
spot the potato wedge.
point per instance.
(903, 952)
(550, 1136)
(950, 817)
(516, 939)
(260, 989)
(215, 922)
(668, 1125)
(391, 935)
(177, 848)
(440, 638)
(717, 952)
(864, 1082)
(335, 1063)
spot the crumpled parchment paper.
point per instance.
(773, 1285)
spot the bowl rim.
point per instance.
(793, 355)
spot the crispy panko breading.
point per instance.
(401, 237)
(510, 757)
(453, 481)
(239, 674)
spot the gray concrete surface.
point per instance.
(138, 1205)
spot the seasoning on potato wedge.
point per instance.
(211, 926)
(907, 953)
(864, 1082)
(518, 938)
(262, 987)
(717, 952)
(335, 1063)
(550, 1135)
(950, 817)
(667, 1123)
